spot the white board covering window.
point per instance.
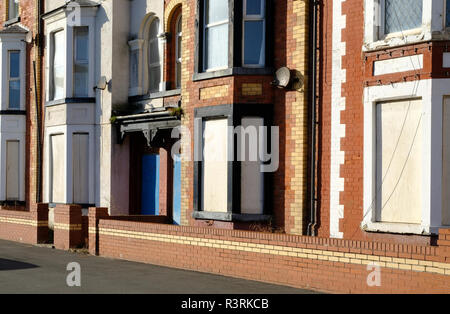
(80, 160)
(12, 170)
(252, 179)
(254, 27)
(13, 9)
(399, 161)
(216, 28)
(57, 173)
(154, 62)
(81, 61)
(14, 79)
(57, 75)
(215, 166)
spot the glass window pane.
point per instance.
(217, 47)
(253, 7)
(216, 11)
(81, 43)
(447, 19)
(14, 94)
(14, 64)
(254, 42)
(178, 74)
(58, 65)
(154, 28)
(13, 9)
(402, 15)
(154, 51)
(81, 80)
(155, 78)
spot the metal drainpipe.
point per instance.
(37, 67)
(313, 7)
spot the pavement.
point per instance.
(33, 269)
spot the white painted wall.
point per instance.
(337, 128)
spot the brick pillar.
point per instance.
(39, 213)
(444, 244)
(67, 227)
(95, 213)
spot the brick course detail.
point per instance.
(334, 265)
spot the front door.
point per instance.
(150, 184)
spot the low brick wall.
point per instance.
(25, 226)
(306, 262)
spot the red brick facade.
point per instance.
(277, 251)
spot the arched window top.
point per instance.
(154, 28)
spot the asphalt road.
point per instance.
(31, 269)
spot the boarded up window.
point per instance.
(80, 160)
(252, 179)
(399, 161)
(215, 165)
(57, 174)
(446, 162)
(12, 170)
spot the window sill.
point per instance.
(13, 112)
(402, 228)
(392, 41)
(230, 216)
(73, 100)
(156, 95)
(11, 21)
(230, 72)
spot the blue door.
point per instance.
(177, 190)
(150, 184)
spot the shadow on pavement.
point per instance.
(7, 264)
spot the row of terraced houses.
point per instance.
(109, 109)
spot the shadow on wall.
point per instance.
(7, 264)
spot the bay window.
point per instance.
(14, 80)
(81, 61)
(233, 38)
(229, 180)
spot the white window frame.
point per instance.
(12, 14)
(80, 62)
(10, 79)
(205, 27)
(433, 20)
(254, 17)
(178, 58)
